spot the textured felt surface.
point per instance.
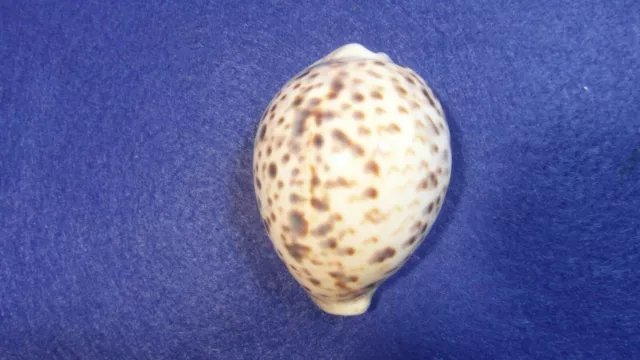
(128, 223)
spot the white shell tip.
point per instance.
(355, 50)
(353, 307)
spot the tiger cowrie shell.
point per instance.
(352, 162)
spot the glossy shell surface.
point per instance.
(352, 162)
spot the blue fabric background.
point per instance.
(128, 225)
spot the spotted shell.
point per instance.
(352, 162)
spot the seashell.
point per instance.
(352, 161)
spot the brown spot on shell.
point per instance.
(342, 285)
(409, 80)
(428, 97)
(342, 138)
(321, 116)
(319, 204)
(357, 97)
(317, 140)
(294, 198)
(301, 121)
(315, 180)
(382, 255)
(371, 193)
(337, 85)
(380, 110)
(263, 132)
(372, 167)
(298, 251)
(298, 223)
(322, 230)
(391, 128)
(258, 183)
(376, 95)
(315, 101)
(403, 110)
(429, 209)
(273, 170)
(302, 74)
(434, 179)
(315, 281)
(375, 216)
(340, 182)
(358, 115)
(297, 101)
(346, 251)
(411, 241)
(372, 240)
(362, 130)
(329, 243)
(374, 74)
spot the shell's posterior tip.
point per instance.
(353, 307)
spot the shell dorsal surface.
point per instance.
(352, 163)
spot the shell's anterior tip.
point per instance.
(354, 50)
(353, 307)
